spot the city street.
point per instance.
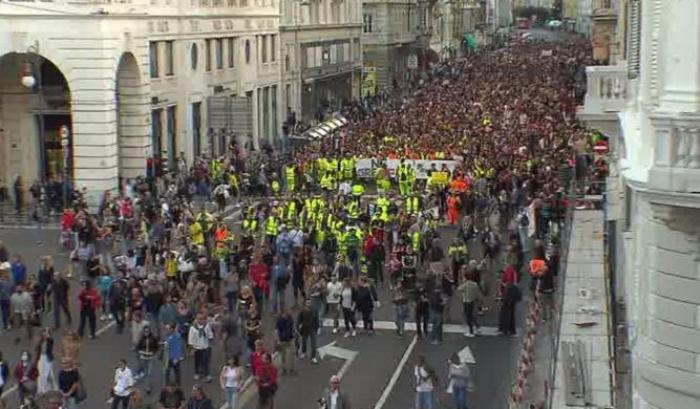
(379, 374)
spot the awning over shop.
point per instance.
(324, 129)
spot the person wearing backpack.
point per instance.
(426, 379)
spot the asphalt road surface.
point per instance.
(379, 375)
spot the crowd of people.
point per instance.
(316, 244)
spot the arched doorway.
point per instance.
(35, 123)
(132, 111)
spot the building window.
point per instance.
(231, 45)
(169, 57)
(266, 111)
(286, 62)
(207, 54)
(288, 98)
(366, 23)
(197, 128)
(263, 48)
(219, 53)
(156, 133)
(273, 48)
(273, 108)
(194, 56)
(171, 123)
(153, 58)
(247, 51)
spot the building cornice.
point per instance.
(317, 27)
(667, 198)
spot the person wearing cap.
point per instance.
(335, 399)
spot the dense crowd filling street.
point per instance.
(229, 281)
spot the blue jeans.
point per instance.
(424, 400)
(145, 370)
(436, 322)
(459, 396)
(401, 316)
(231, 396)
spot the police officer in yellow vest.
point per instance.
(402, 174)
(275, 186)
(381, 211)
(412, 205)
(358, 189)
(271, 229)
(347, 167)
(290, 177)
(353, 209)
(459, 254)
(250, 224)
(291, 212)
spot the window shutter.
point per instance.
(634, 34)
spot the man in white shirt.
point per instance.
(199, 339)
(424, 384)
(334, 289)
(336, 399)
(123, 384)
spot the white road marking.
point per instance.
(411, 326)
(466, 356)
(98, 332)
(341, 353)
(395, 376)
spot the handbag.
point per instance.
(81, 394)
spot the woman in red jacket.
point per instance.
(260, 275)
(266, 379)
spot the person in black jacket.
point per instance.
(147, 348)
(307, 325)
(506, 318)
(366, 299)
(422, 311)
(59, 289)
(437, 313)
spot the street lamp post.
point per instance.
(31, 79)
(64, 132)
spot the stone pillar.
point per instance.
(681, 51)
(95, 148)
(666, 354)
(133, 113)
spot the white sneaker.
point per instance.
(347, 334)
(335, 330)
(469, 335)
(314, 360)
(354, 333)
(302, 356)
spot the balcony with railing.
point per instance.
(606, 90)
